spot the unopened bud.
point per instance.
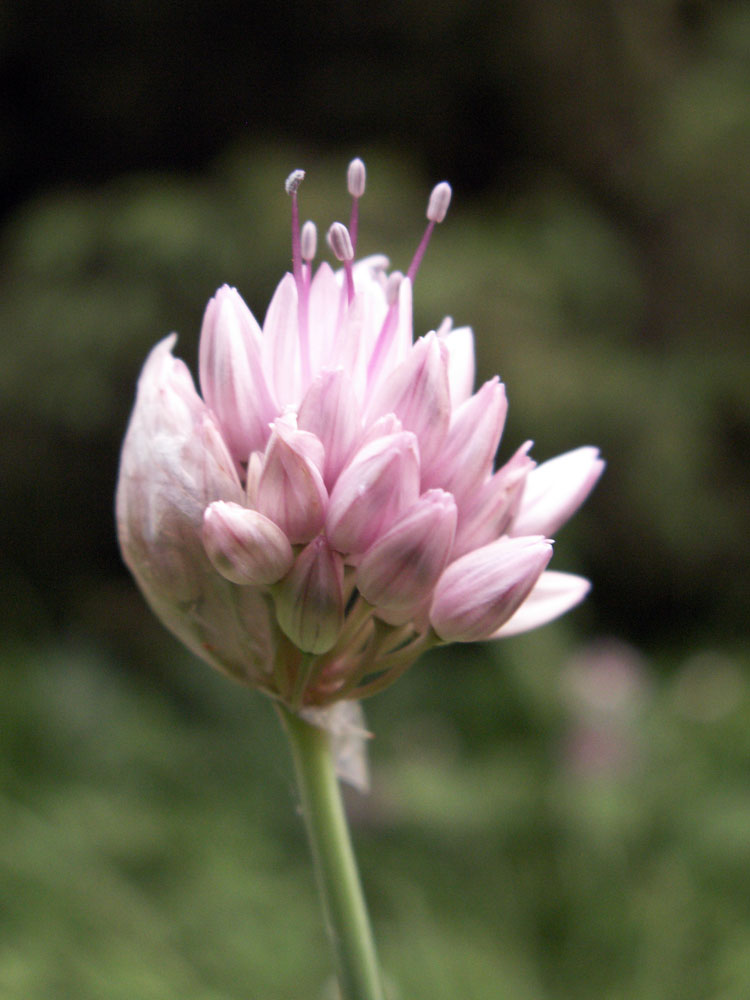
(294, 180)
(308, 241)
(440, 199)
(244, 546)
(310, 601)
(399, 572)
(355, 178)
(340, 242)
(479, 592)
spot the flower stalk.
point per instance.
(344, 910)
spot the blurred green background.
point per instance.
(565, 815)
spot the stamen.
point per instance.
(340, 242)
(437, 208)
(292, 184)
(355, 181)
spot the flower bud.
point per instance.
(290, 489)
(398, 573)
(380, 482)
(244, 546)
(310, 600)
(480, 591)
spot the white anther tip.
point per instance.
(355, 178)
(294, 180)
(440, 199)
(340, 242)
(308, 241)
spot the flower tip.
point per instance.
(355, 178)
(440, 199)
(340, 242)
(293, 181)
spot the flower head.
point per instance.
(328, 508)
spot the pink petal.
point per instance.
(555, 490)
(331, 412)
(291, 491)
(281, 341)
(380, 482)
(553, 594)
(480, 591)
(398, 573)
(325, 297)
(466, 457)
(417, 392)
(486, 512)
(231, 373)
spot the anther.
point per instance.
(340, 242)
(355, 178)
(355, 182)
(293, 181)
(440, 199)
(308, 241)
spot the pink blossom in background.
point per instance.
(328, 508)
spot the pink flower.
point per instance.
(330, 507)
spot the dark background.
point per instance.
(598, 244)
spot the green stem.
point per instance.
(344, 909)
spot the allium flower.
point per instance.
(329, 508)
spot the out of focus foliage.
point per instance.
(149, 847)
(550, 818)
